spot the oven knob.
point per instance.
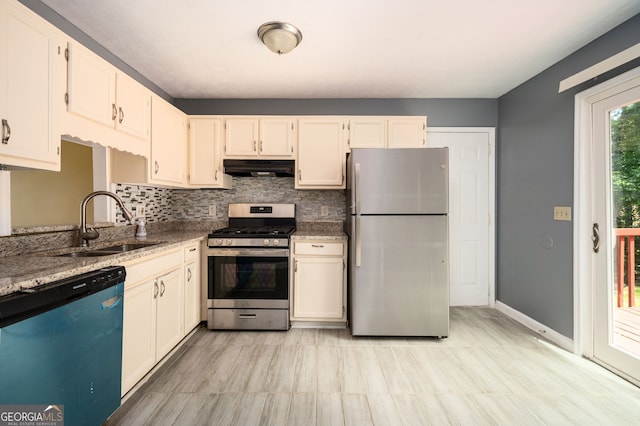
(265, 242)
(227, 242)
(218, 242)
(276, 242)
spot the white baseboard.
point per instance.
(551, 335)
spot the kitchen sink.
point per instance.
(121, 248)
(107, 251)
(85, 254)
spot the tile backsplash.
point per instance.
(164, 204)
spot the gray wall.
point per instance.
(535, 173)
(440, 112)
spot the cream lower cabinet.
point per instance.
(191, 287)
(153, 313)
(319, 281)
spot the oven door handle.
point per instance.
(249, 252)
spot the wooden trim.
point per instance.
(600, 68)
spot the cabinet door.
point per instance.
(205, 162)
(410, 132)
(276, 137)
(367, 132)
(168, 143)
(138, 333)
(28, 71)
(134, 107)
(169, 316)
(318, 288)
(91, 86)
(321, 153)
(241, 137)
(191, 296)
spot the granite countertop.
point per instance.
(31, 270)
(319, 235)
(320, 231)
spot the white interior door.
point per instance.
(471, 207)
(615, 153)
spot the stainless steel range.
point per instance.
(248, 268)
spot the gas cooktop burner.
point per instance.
(238, 232)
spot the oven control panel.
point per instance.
(248, 242)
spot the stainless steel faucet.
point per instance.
(91, 233)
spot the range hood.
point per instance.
(284, 168)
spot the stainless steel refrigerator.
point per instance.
(398, 241)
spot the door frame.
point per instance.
(583, 341)
(491, 134)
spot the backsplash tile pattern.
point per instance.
(164, 204)
(157, 201)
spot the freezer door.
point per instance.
(399, 181)
(399, 276)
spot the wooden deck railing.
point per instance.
(626, 236)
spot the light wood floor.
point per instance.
(490, 370)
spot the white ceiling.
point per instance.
(350, 48)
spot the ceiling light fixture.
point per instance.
(279, 37)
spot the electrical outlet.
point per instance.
(562, 213)
(141, 211)
(324, 211)
(212, 210)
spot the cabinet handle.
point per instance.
(114, 112)
(193, 249)
(162, 288)
(6, 131)
(189, 274)
(254, 145)
(155, 290)
(157, 167)
(216, 176)
(295, 266)
(260, 146)
(121, 113)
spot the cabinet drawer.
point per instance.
(319, 248)
(153, 267)
(190, 253)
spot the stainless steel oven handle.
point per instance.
(248, 252)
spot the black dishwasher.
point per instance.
(61, 349)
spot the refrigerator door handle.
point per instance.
(358, 243)
(356, 187)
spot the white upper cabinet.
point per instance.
(133, 101)
(259, 137)
(407, 132)
(101, 99)
(276, 137)
(205, 159)
(367, 132)
(30, 63)
(321, 153)
(167, 164)
(387, 132)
